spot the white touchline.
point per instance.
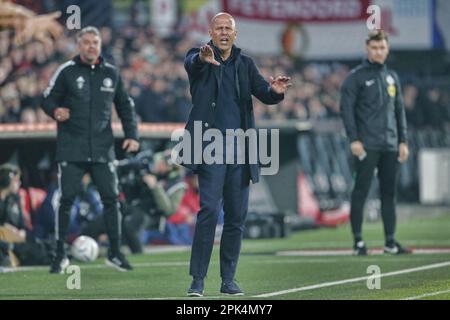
(427, 295)
(162, 264)
(335, 283)
(163, 298)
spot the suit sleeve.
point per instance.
(126, 111)
(260, 88)
(54, 94)
(192, 63)
(400, 115)
(349, 93)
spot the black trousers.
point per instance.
(105, 178)
(227, 186)
(387, 164)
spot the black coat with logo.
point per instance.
(205, 79)
(89, 92)
(372, 107)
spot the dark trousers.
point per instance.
(227, 185)
(105, 178)
(387, 164)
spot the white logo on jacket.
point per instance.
(107, 85)
(370, 82)
(390, 80)
(80, 82)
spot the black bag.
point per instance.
(33, 253)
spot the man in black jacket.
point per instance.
(80, 97)
(222, 82)
(374, 118)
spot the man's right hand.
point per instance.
(207, 55)
(61, 114)
(357, 149)
(150, 180)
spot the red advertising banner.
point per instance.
(298, 10)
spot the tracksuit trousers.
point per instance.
(104, 176)
(387, 164)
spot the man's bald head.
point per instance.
(222, 15)
(222, 30)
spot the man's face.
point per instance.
(162, 167)
(223, 32)
(377, 51)
(89, 47)
(15, 183)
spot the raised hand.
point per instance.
(207, 55)
(280, 84)
(43, 28)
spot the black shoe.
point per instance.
(59, 264)
(196, 288)
(396, 248)
(231, 288)
(359, 249)
(119, 262)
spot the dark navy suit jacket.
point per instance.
(204, 80)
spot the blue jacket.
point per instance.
(204, 80)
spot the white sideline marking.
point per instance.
(427, 295)
(160, 264)
(346, 252)
(334, 283)
(168, 298)
(101, 266)
(166, 249)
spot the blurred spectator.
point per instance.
(180, 226)
(12, 225)
(18, 245)
(27, 25)
(414, 115)
(159, 196)
(152, 70)
(86, 209)
(434, 110)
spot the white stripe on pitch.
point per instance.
(427, 295)
(335, 283)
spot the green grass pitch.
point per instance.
(263, 270)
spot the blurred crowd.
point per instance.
(153, 72)
(159, 203)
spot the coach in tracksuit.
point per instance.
(374, 118)
(80, 97)
(222, 82)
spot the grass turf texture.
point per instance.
(165, 274)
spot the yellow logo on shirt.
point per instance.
(391, 90)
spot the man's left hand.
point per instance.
(280, 84)
(130, 145)
(403, 152)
